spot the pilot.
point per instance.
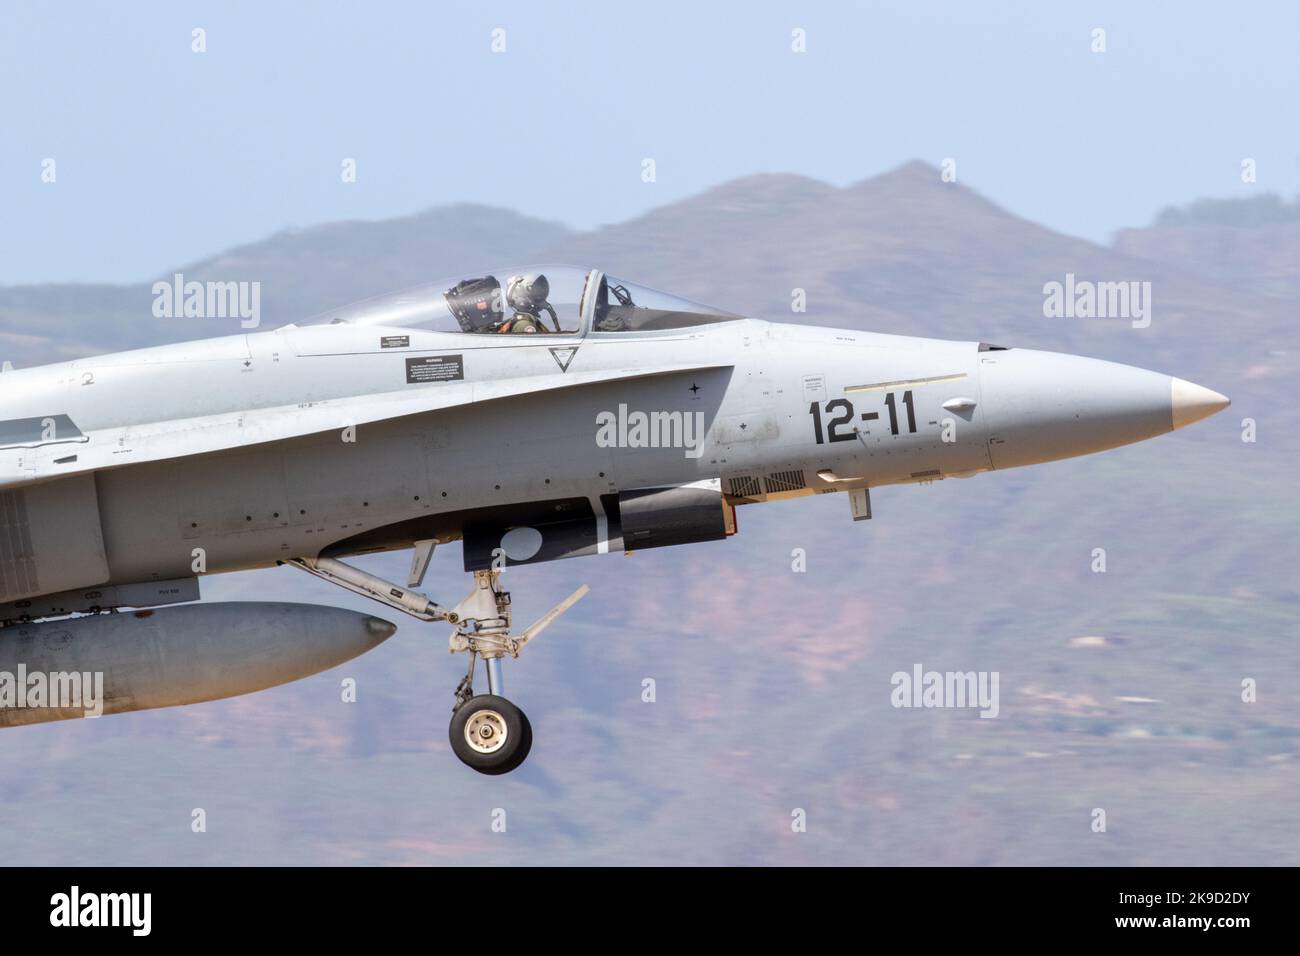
(526, 295)
(520, 323)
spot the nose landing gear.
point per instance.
(487, 732)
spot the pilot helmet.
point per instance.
(527, 293)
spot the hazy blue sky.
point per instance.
(164, 155)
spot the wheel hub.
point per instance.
(486, 732)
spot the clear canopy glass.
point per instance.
(623, 306)
(526, 299)
(531, 300)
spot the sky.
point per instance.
(163, 155)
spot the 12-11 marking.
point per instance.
(845, 415)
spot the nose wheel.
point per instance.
(490, 734)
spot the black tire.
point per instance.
(485, 716)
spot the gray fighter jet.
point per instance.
(532, 413)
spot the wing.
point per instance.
(182, 437)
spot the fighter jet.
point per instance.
(531, 413)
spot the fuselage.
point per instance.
(785, 410)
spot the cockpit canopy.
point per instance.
(528, 300)
(623, 306)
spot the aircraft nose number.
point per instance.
(843, 411)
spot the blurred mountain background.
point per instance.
(1119, 690)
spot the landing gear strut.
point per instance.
(488, 732)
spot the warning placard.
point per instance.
(434, 368)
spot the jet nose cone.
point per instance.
(1044, 406)
(1193, 402)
